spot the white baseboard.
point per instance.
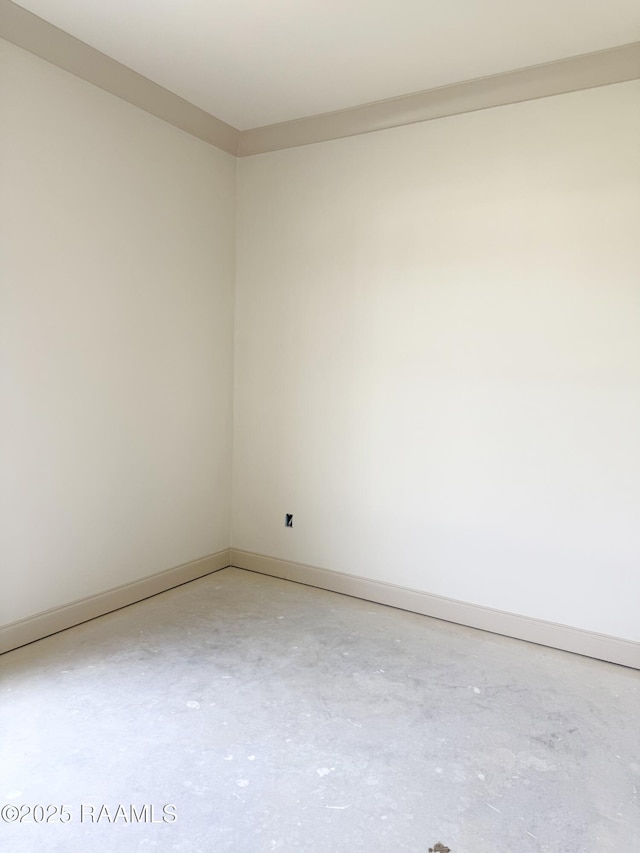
(49, 622)
(564, 637)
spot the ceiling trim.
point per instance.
(615, 65)
(48, 42)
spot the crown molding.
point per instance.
(588, 71)
(591, 70)
(32, 33)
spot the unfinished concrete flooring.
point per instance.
(249, 714)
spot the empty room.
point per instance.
(320, 426)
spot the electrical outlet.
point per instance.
(288, 520)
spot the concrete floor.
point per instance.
(274, 716)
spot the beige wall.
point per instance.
(116, 299)
(437, 351)
(437, 364)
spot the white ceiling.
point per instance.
(257, 62)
